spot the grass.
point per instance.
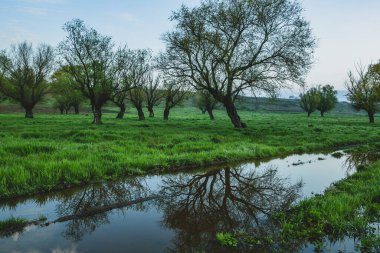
(17, 224)
(11, 225)
(52, 151)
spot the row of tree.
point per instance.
(221, 48)
(363, 88)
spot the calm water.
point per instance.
(174, 213)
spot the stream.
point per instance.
(179, 212)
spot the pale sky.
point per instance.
(348, 31)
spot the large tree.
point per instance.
(364, 89)
(229, 46)
(92, 62)
(24, 73)
(310, 100)
(327, 99)
(136, 65)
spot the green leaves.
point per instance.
(226, 239)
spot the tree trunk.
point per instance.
(210, 113)
(76, 109)
(371, 117)
(308, 114)
(151, 112)
(140, 112)
(166, 113)
(121, 113)
(97, 115)
(203, 111)
(233, 114)
(29, 113)
(61, 109)
(322, 113)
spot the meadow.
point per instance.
(51, 152)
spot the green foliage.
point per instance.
(327, 99)
(310, 100)
(65, 91)
(226, 239)
(57, 152)
(24, 72)
(364, 89)
(230, 50)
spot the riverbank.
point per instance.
(52, 151)
(349, 208)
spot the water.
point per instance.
(176, 212)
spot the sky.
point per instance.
(348, 31)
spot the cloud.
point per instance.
(44, 1)
(126, 16)
(35, 11)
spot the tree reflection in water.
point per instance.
(95, 196)
(359, 161)
(199, 206)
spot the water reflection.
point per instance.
(359, 161)
(199, 206)
(193, 207)
(86, 210)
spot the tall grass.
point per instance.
(55, 151)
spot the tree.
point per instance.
(229, 46)
(92, 62)
(364, 89)
(206, 102)
(327, 99)
(2, 96)
(65, 92)
(152, 93)
(310, 100)
(24, 74)
(136, 64)
(175, 94)
(137, 98)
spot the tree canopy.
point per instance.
(310, 100)
(363, 87)
(230, 46)
(327, 99)
(24, 73)
(92, 62)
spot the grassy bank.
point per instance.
(54, 151)
(347, 209)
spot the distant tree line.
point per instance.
(363, 86)
(218, 50)
(321, 98)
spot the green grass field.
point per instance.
(55, 151)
